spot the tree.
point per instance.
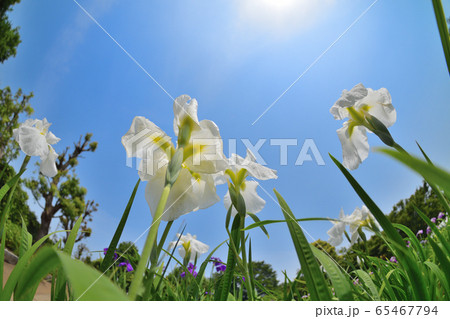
(63, 192)
(404, 213)
(9, 36)
(11, 107)
(265, 275)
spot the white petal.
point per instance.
(147, 141)
(381, 107)
(347, 99)
(204, 191)
(253, 202)
(184, 106)
(51, 138)
(180, 200)
(147, 168)
(227, 203)
(254, 169)
(220, 178)
(31, 141)
(210, 159)
(48, 163)
(336, 234)
(355, 149)
(196, 247)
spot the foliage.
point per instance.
(9, 36)
(63, 193)
(18, 209)
(11, 107)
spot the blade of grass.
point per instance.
(405, 258)
(61, 281)
(442, 258)
(315, 280)
(20, 266)
(342, 286)
(428, 171)
(441, 276)
(435, 230)
(222, 292)
(271, 221)
(26, 239)
(443, 29)
(257, 220)
(118, 233)
(413, 239)
(368, 282)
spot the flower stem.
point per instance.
(150, 241)
(244, 261)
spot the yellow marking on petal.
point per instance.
(232, 175)
(161, 141)
(357, 117)
(241, 175)
(186, 246)
(196, 176)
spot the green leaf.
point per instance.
(88, 283)
(442, 258)
(45, 261)
(61, 282)
(250, 266)
(20, 266)
(341, 283)
(5, 188)
(441, 276)
(315, 280)
(368, 282)
(222, 292)
(443, 29)
(107, 261)
(405, 258)
(204, 264)
(26, 240)
(257, 220)
(269, 221)
(435, 230)
(413, 239)
(428, 171)
(72, 236)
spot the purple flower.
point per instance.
(221, 268)
(441, 215)
(191, 269)
(243, 278)
(420, 232)
(393, 260)
(408, 243)
(105, 250)
(126, 264)
(433, 220)
(216, 260)
(428, 230)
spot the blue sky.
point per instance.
(235, 58)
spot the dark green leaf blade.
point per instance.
(315, 280)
